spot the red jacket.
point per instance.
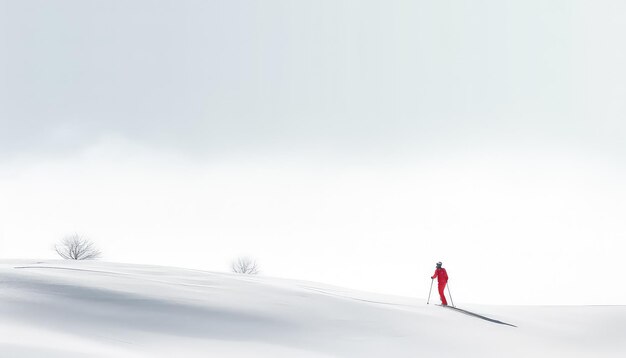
(441, 275)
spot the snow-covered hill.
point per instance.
(96, 309)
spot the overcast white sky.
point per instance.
(349, 142)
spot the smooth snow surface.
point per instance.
(95, 309)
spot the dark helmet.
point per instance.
(439, 264)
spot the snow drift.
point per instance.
(95, 309)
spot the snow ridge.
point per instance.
(98, 309)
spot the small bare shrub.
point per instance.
(245, 265)
(76, 247)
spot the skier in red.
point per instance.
(442, 279)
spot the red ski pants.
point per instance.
(442, 285)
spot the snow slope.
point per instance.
(96, 309)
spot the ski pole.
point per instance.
(449, 294)
(431, 289)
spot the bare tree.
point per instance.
(245, 265)
(76, 247)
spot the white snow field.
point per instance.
(95, 309)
